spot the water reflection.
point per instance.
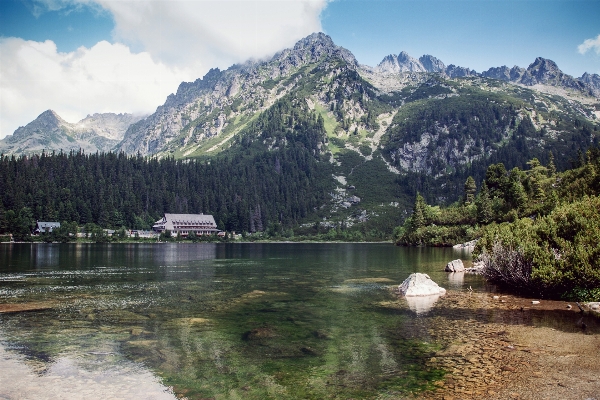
(46, 256)
(456, 279)
(70, 377)
(422, 304)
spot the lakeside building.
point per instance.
(184, 224)
(45, 227)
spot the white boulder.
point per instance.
(418, 284)
(455, 266)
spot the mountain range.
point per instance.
(196, 113)
(376, 135)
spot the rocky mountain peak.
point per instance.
(49, 117)
(432, 64)
(542, 71)
(316, 45)
(426, 63)
(400, 63)
(49, 120)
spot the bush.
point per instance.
(550, 256)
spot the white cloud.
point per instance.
(590, 44)
(174, 40)
(35, 77)
(213, 33)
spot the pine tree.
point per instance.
(418, 215)
(470, 190)
(551, 166)
(485, 212)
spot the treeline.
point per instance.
(271, 176)
(504, 196)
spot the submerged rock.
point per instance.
(593, 306)
(418, 284)
(455, 266)
(23, 307)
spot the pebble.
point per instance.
(535, 302)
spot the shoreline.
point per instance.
(509, 348)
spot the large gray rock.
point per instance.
(418, 284)
(455, 266)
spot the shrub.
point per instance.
(550, 256)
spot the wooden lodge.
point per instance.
(186, 224)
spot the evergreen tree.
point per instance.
(551, 165)
(485, 212)
(516, 197)
(419, 211)
(470, 190)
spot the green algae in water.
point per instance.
(278, 345)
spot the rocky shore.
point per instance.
(507, 347)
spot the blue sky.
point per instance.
(84, 56)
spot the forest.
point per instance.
(248, 188)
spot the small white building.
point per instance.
(45, 227)
(185, 224)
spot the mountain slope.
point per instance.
(203, 115)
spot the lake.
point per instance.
(269, 320)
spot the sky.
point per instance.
(79, 57)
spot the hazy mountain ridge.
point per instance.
(541, 71)
(49, 132)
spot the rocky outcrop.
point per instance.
(504, 73)
(455, 266)
(403, 63)
(592, 83)
(541, 72)
(468, 246)
(419, 284)
(400, 63)
(546, 72)
(476, 269)
(454, 71)
(432, 64)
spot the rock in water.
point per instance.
(455, 266)
(418, 284)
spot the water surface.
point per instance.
(280, 320)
